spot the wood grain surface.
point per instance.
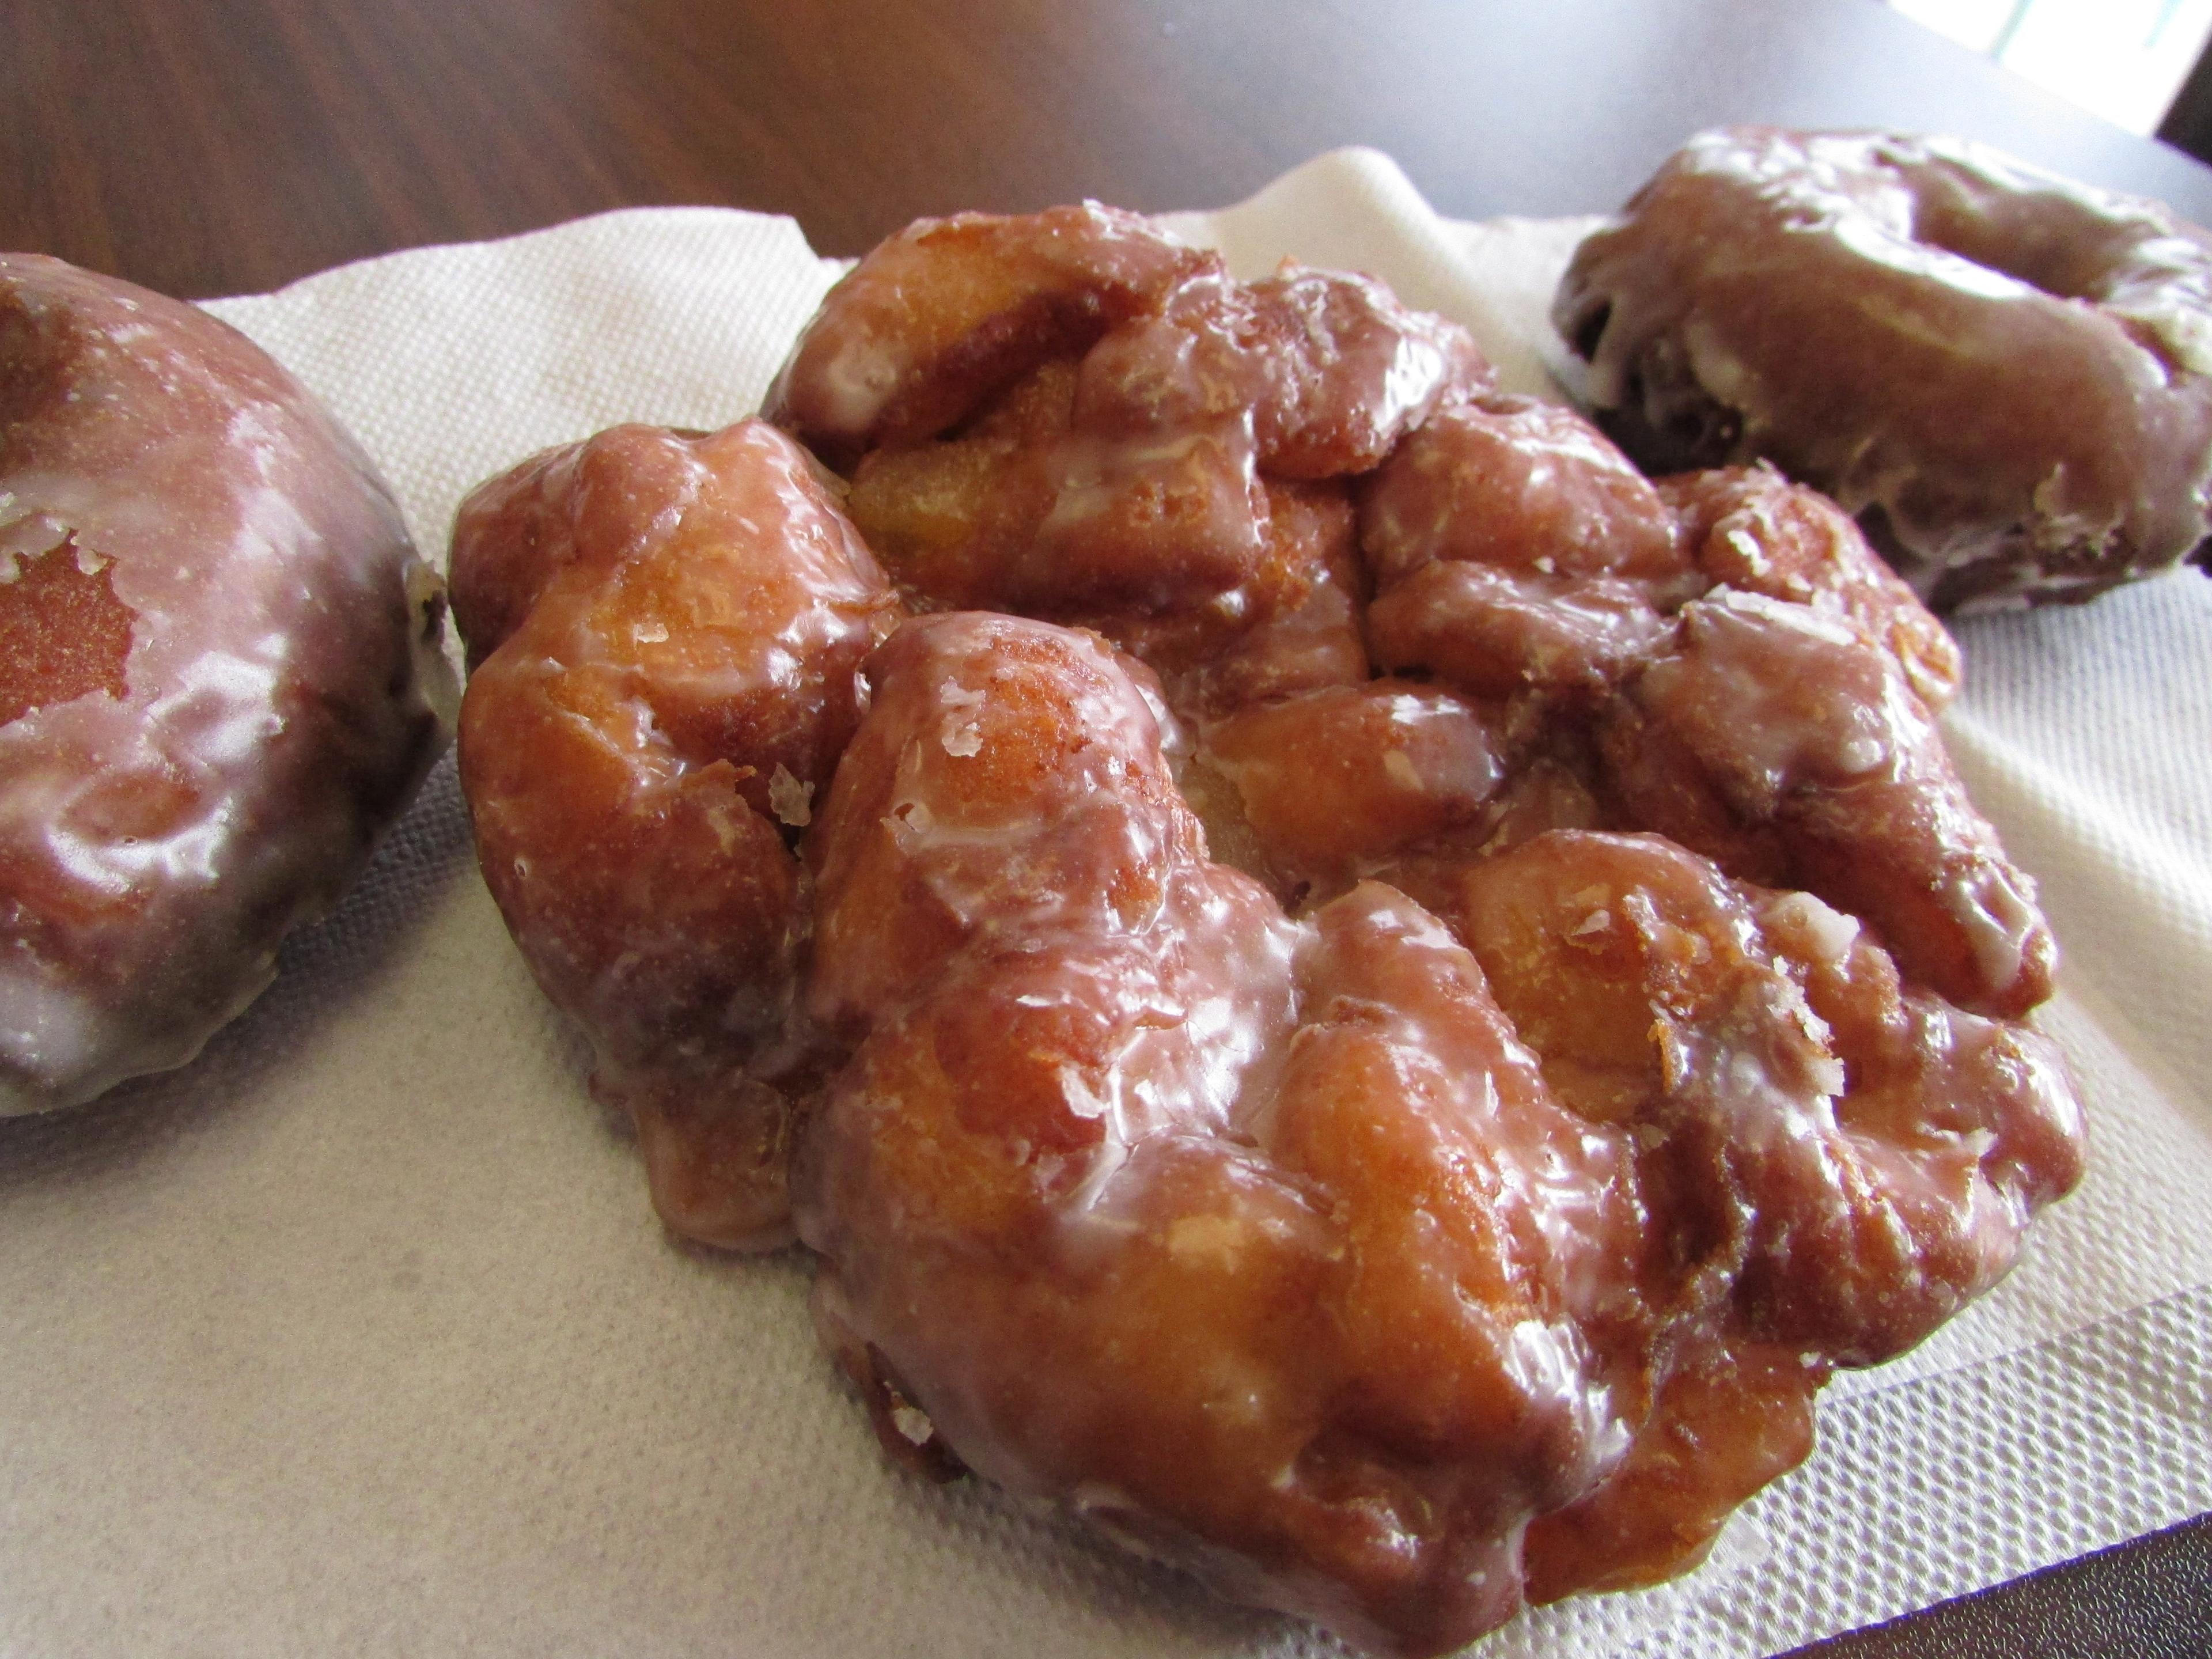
(209, 147)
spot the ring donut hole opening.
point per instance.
(64, 635)
(2056, 245)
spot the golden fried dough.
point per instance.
(667, 629)
(1397, 1144)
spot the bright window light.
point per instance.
(2122, 59)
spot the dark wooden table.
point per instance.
(206, 147)
(210, 147)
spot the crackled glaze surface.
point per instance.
(1367, 1000)
(667, 631)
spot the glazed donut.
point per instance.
(221, 677)
(1325, 1254)
(1353, 974)
(2007, 377)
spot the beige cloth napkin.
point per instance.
(358, 1335)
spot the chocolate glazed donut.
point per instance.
(220, 675)
(2003, 374)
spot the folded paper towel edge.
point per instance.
(621, 218)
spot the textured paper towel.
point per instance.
(358, 1337)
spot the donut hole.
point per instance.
(64, 635)
(2036, 241)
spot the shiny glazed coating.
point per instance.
(668, 631)
(1257, 1080)
(1792, 749)
(1744, 528)
(1784, 1190)
(1170, 473)
(1320, 1255)
(950, 311)
(1258, 1244)
(220, 675)
(1514, 549)
(2004, 375)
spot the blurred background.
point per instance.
(2134, 62)
(209, 147)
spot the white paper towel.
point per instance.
(357, 1336)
